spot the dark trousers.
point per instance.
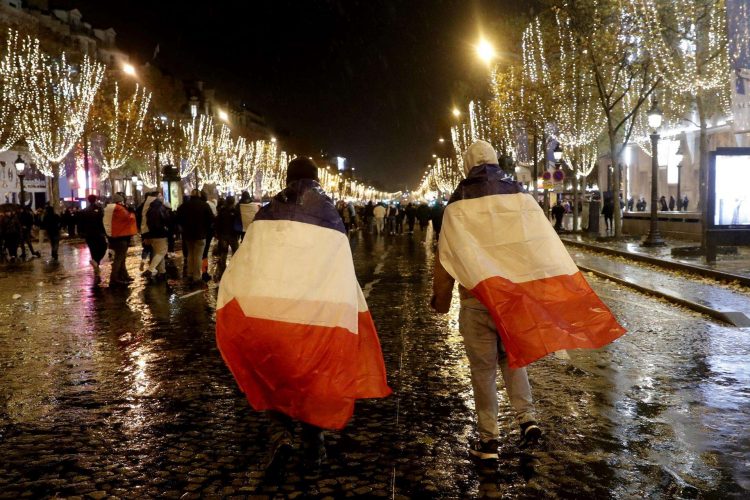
(54, 243)
(11, 244)
(120, 247)
(97, 247)
(222, 251)
(282, 427)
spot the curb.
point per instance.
(703, 271)
(733, 318)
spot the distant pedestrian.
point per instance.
(423, 215)
(671, 203)
(379, 213)
(158, 222)
(26, 218)
(522, 296)
(558, 212)
(436, 216)
(91, 223)
(195, 218)
(227, 235)
(213, 205)
(119, 224)
(411, 217)
(52, 224)
(608, 211)
(147, 251)
(663, 204)
(369, 216)
(292, 324)
(392, 215)
(685, 202)
(11, 233)
(247, 209)
(400, 219)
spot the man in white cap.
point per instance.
(522, 296)
(483, 345)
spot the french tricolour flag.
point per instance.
(498, 244)
(292, 323)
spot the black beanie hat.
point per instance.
(301, 168)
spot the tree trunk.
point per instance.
(616, 183)
(575, 200)
(55, 187)
(703, 171)
(534, 170)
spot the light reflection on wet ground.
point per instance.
(123, 392)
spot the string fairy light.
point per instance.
(11, 98)
(121, 128)
(58, 99)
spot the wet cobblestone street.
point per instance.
(122, 393)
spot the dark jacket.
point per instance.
(195, 218)
(226, 222)
(157, 219)
(91, 221)
(51, 222)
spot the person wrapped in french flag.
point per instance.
(292, 323)
(498, 244)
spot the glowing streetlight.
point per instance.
(441, 140)
(223, 116)
(273, 139)
(456, 112)
(434, 156)
(129, 69)
(485, 51)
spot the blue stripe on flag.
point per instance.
(485, 180)
(303, 201)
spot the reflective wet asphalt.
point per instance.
(122, 393)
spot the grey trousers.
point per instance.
(159, 246)
(485, 352)
(195, 258)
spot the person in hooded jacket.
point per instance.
(91, 224)
(157, 221)
(483, 346)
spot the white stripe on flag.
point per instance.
(294, 272)
(505, 235)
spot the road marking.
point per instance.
(191, 294)
(378, 271)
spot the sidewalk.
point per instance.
(732, 307)
(726, 268)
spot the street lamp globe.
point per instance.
(654, 116)
(557, 153)
(20, 164)
(134, 178)
(485, 51)
(129, 69)
(456, 112)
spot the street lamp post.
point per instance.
(654, 120)
(20, 168)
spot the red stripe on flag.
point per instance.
(311, 373)
(539, 317)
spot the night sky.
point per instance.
(373, 81)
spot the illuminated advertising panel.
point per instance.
(731, 203)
